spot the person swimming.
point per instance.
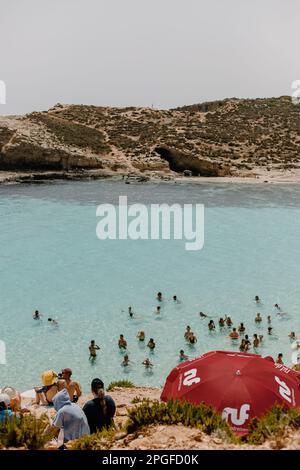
(141, 335)
(279, 359)
(130, 312)
(182, 356)
(211, 325)
(159, 296)
(53, 321)
(187, 332)
(192, 339)
(269, 319)
(241, 328)
(93, 348)
(247, 341)
(125, 361)
(176, 300)
(151, 344)
(234, 334)
(157, 309)
(258, 318)
(202, 315)
(255, 341)
(221, 322)
(277, 307)
(37, 315)
(270, 330)
(147, 363)
(228, 321)
(257, 299)
(122, 343)
(292, 336)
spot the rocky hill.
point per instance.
(233, 137)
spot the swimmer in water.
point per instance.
(292, 336)
(53, 322)
(234, 334)
(122, 343)
(192, 339)
(258, 318)
(270, 330)
(130, 311)
(228, 321)
(151, 344)
(279, 359)
(159, 296)
(125, 361)
(269, 319)
(157, 309)
(176, 300)
(277, 306)
(211, 325)
(187, 332)
(93, 349)
(141, 335)
(221, 322)
(182, 356)
(247, 341)
(241, 328)
(202, 315)
(257, 299)
(243, 346)
(255, 341)
(147, 363)
(37, 315)
(261, 337)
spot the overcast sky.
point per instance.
(142, 52)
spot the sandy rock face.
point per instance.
(230, 137)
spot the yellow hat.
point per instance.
(49, 377)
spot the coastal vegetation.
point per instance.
(229, 137)
(121, 384)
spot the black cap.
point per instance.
(97, 383)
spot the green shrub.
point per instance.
(273, 424)
(120, 383)
(174, 412)
(24, 431)
(97, 441)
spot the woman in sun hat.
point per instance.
(51, 385)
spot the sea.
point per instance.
(51, 260)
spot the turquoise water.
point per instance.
(51, 260)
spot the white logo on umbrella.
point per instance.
(284, 390)
(190, 377)
(233, 414)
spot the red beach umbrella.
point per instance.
(239, 386)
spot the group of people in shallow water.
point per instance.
(224, 323)
(60, 391)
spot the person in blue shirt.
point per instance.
(70, 418)
(4, 410)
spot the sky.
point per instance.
(160, 53)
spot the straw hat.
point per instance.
(49, 377)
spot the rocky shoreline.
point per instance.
(239, 139)
(162, 437)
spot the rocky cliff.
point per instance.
(231, 137)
